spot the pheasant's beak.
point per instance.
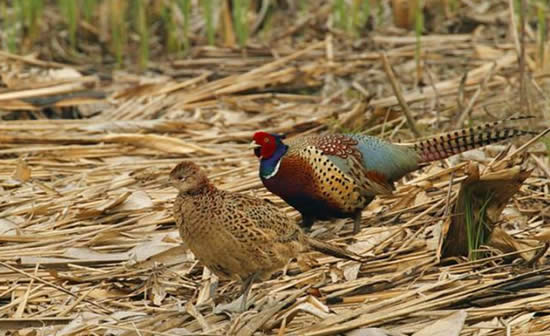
(253, 145)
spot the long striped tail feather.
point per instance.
(455, 142)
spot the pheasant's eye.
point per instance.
(266, 140)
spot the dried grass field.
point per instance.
(88, 244)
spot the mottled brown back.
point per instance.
(236, 235)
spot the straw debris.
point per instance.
(88, 244)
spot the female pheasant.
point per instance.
(235, 235)
(338, 175)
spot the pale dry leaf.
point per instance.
(123, 160)
(314, 301)
(82, 319)
(335, 275)
(87, 211)
(122, 126)
(44, 331)
(209, 280)
(47, 261)
(64, 73)
(371, 237)
(172, 256)
(475, 155)
(406, 265)
(136, 201)
(160, 79)
(311, 309)
(26, 332)
(432, 243)
(150, 222)
(421, 198)
(486, 327)
(351, 270)
(406, 198)
(433, 170)
(190, 308)
(126, 315)
(507, 244)
(158, 142)
(521, 319)
(449, 326)
(91, 109)
(102, 293)
(145, 250)
(511, 213)
(7, 227)
(115, 202)
(11, 182)
(371, 332)
(178, 332)
(485, 52)
(84, 253)
(115, 237)
(454, 160)
(94, 192)
(232, 117)
(121, 316)
(153, 218)
(158, 293)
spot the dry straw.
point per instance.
(88, 245)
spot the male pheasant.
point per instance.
(235, 235)
(338, 175)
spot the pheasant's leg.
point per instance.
(307, 223)
(239, 305)
(247, 284)
(356, 222)
(213, 288)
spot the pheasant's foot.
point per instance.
(357, 222)
(213, 288)
(307, 223)
(241, 304)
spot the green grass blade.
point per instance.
(118, 29)
(476, 232)
(240, 8)
(88, 7)
(186, 9)
(208, 12)
(419, 28)
(69, 10)
(542, 32)
(339, 13)
(10, 28)
(143, 31)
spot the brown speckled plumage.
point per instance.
(235, 235)
(338, 175)
(316, 177)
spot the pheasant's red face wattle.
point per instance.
(267, 143)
